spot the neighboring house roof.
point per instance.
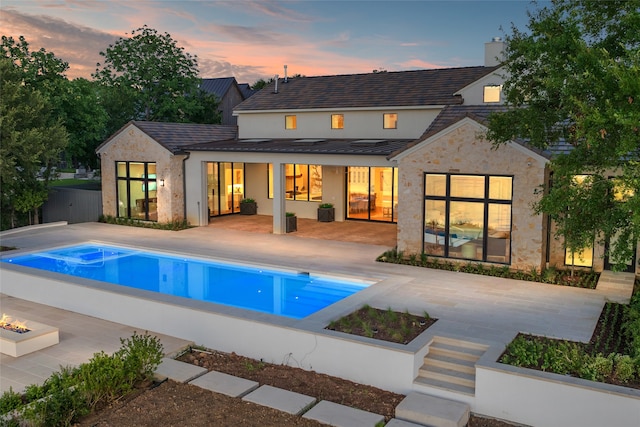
(175, 136)
(219, 86)
(385, 89)
(246, 90)
(380, 147)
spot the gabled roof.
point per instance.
(219, 86)
(246, 90)
(480, 114)
(175, 136)
(385, 89)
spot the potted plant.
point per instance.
(292, 222)
(248, 207)
(326, 212)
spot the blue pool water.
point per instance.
(288, 294)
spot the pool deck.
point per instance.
(475, 306)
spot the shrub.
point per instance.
(70, 393)
(10, 401)
(625, 368)
(326, 205)
(141, 355)
(247, 200)
(104, 379)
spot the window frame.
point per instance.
(148, 181)
(486, 94)
(341, 122)
(448, 199)
(290, 125)
(389, 115)
(307, 184)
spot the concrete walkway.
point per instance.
(481, 307)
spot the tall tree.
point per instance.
(163, 76)
(30, 144)
(574, 79)
(80, 108)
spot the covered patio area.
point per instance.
(371, 233)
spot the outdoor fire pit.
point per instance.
(18, 338)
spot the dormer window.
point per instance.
(290, 122)
(390, 121)
(337, 121)
(492, 93)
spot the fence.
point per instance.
(73, 205)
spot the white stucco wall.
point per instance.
(473, 94)
(461, 149)
(357, 124)
(333, 185)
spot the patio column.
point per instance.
(279, 208)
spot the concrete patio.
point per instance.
(481, 307)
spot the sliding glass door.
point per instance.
(225, 187)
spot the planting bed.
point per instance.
(386, 325)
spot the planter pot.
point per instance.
(326, 214)
(248, 208)
(291, 224)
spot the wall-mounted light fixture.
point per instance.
(162, 183)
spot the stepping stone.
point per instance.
(342, 416)
(282, 400)
(178, 371)
(433, 411)
(394, 422)
(225, 384)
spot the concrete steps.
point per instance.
(450, 365)
(617, 286)
(424, 410)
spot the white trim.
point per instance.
(489, 76)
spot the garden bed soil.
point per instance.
(173, 403)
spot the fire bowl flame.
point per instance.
(18, 338)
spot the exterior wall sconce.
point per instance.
(162, 183)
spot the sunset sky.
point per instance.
(253, 39)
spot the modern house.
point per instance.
(403, 147)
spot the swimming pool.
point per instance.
(283, 293)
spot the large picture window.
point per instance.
(302, 182)
(468, 217)
(136, 189)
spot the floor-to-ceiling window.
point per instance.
(225, 187)
(468, 216)
(302, 182)
(372, 193)
(137, 190)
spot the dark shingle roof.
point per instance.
(175, 136)
(392, 89)
(480, 113)
(454, 113)
(380, 147)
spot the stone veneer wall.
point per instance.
(462, 150)
(131, 144)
